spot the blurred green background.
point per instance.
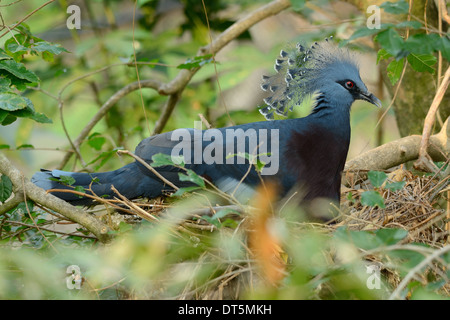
(166, 34)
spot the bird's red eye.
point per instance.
(349, 84)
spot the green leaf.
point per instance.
(25, 146)
(192, 177)
(8, 119)
(5, 188)
(5, 83)
(162, 159)
(223, 212)
(27, 112)
(383, 55)
(212, 221)
(12, 102)
(391, 236)
(182, 191)
(422, 43)
(5, 146)
(4, 55)
(394, 70)
(259, 165)
(80, 189)
(422, 62)
(40, 117)
(364, 32)
(96, 141)
(442, 44)
(399, 7)
(297, 5)
(395, 186)
(196, 62)
(409, 258)
(409, 24)
(67, 180)
(44, 46)
(372, 198)
(16, 48)
(104, 157)
(362, 239)
(377, 178)
(142, 2)
(18, 70)
(391, 41)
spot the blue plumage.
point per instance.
(309, 152)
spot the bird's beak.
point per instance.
(370, 97)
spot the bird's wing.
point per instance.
(223, 156)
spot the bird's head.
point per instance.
(323, 70)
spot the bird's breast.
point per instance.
(316, 158)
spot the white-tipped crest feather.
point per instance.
(299, 73)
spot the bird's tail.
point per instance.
(128, 180)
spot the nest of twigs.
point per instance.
(420, 207)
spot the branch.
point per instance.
(416, 269)
(402, 150)
(236, 29)
(177, 85)
(167, 111)
(39, 195)
(26, 17)
(149, 167)
(424, 162)
(154, 84)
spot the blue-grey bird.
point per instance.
(308, 152)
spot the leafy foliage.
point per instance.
(16, 78)
(187, 258)
(418, 49)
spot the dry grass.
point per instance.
(420, 207)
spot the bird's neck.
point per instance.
(336, 119)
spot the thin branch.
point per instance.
(402, 150)
(27, 16)
(138, 211)
(417, 268)
(11, 203)
(166, 112)
(100, 230)
(136, 67)
(176, 86)
(443, 8)
(424, 161)
(184, 76)
(153, 84)
(145, 164)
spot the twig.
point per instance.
(96, 198)
(176, 86)
(215, 64)
(136, 67)
(76, 233)
(11, 203)
(138, 211)
(31, 216)
(400, 151)
(443, 8)
(205, 122)
(27, 16)
(39, 195)
(153, 84)
(166, 112)
(153, 170)
(424, 162)
(416, 269)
